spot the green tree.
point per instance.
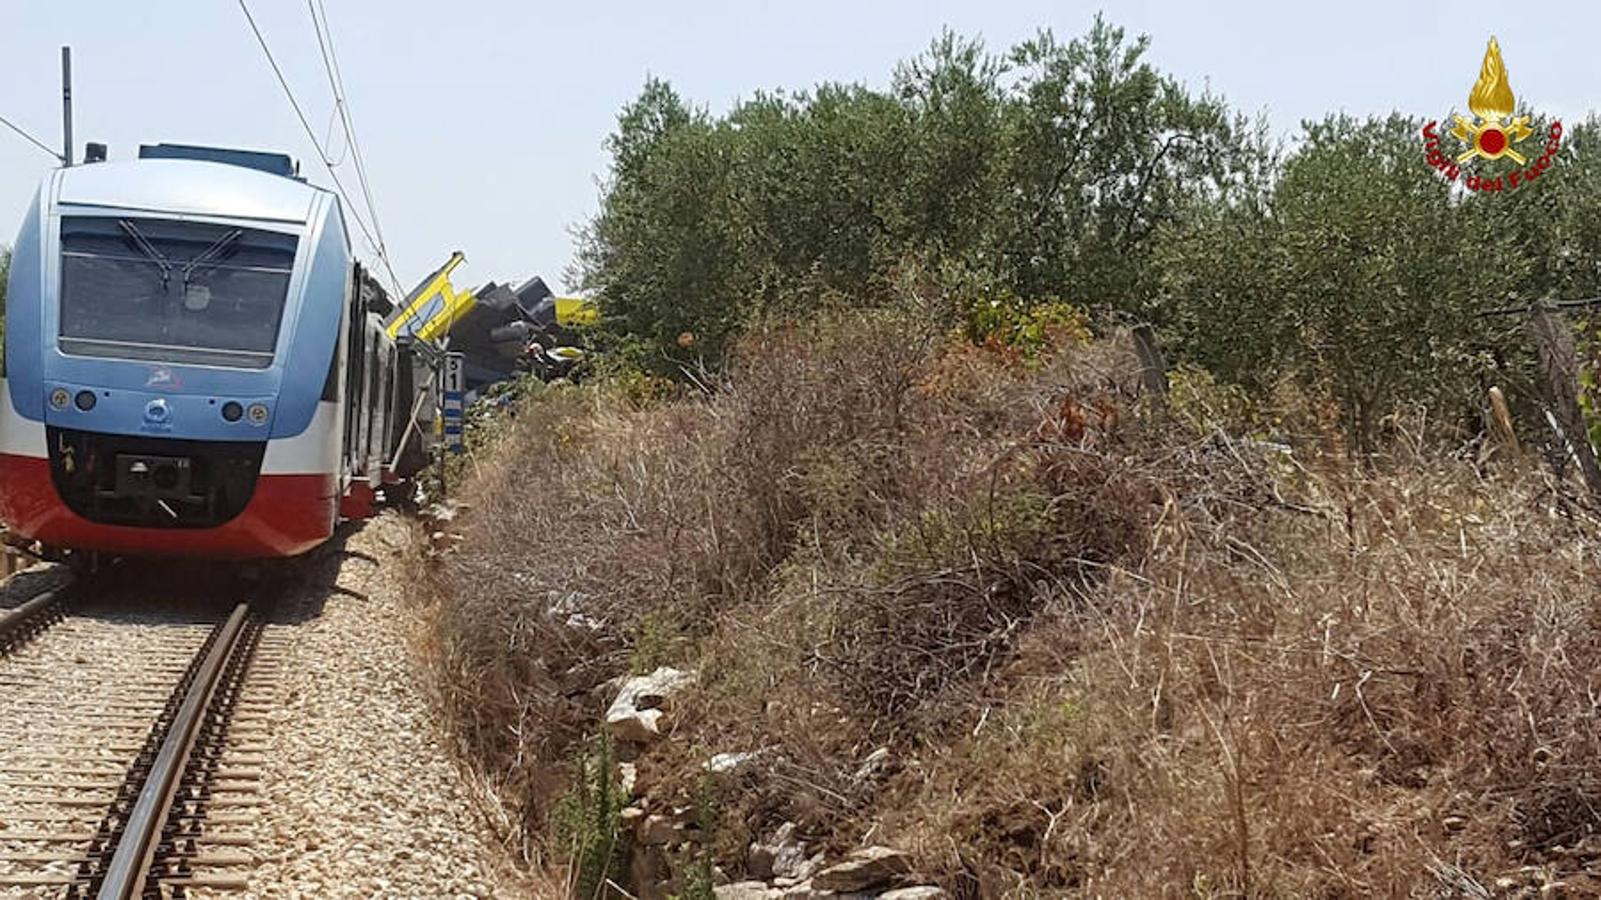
(1042, 173)
(1102, 150)
(1222, 273)
(1363, 276)
(660, 251)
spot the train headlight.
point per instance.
(257, 413)
(85, 400)
(59, 398)
(231, 411)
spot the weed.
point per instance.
(585, 822)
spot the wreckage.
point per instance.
(500, 330)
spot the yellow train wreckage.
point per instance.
(499, 330)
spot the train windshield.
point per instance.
(156, 289)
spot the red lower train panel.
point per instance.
(287, 515)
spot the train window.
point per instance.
(330, 383)
(181, 291)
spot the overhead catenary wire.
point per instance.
(1547, 304)
(30, 138)
(336, 84)
(322, 154)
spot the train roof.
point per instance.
(187, 186)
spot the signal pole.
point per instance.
(66, 106)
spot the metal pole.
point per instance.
(66, 105)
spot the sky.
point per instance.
(483, 122)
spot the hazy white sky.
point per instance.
(482, 120)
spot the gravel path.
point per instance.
(361, 798)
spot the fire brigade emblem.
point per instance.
(1492, 102)
(1490, 134)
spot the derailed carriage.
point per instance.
(196, 365)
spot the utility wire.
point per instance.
(30, 138)
(1547, 304)
(336, 83)
(312, 136)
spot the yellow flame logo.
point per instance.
(1492, 95)
(1491, 101)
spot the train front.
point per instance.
(170, 362)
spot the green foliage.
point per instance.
(1066, 176)
(1383, 282)
(1201, 404)
(1045, 170)
(699, 882)
(1363, 275)
(586, 824)
(696, 872)
(990, 313)
(658, 641)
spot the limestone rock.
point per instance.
(874, 765)
(638, 714)
(728, 763)
(745, 890)
(873, 867)
(808, 891)
(783, 856)
(656, 831)
(915, 893)
(652, 871)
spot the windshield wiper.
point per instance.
(215, 251)
(149, 250)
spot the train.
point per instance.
(195, 363)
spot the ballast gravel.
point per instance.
(362, 798)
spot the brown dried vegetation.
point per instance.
(1108, 653)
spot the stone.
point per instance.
(726, 763)
(759, 861)
(627, 777)
(638, 714)
(808, 891)
(873, 765)
(927, 892)
(656, 831)
(872, 867)
(745, 890)
(782, 855)
(650, 870)
(443, 512)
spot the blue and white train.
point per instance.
(195, 364)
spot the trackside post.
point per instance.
(451, 384)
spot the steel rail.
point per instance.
(129, 869)
(17, 624)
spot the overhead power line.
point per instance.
(322, 154)
(30, 138)
(336, 84)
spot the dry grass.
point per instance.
(1109, 655)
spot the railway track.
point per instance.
(133, 766)
(23, 623)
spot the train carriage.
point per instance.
(194, 364)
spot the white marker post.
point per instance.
(452, 388)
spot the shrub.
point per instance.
(1100, 654)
